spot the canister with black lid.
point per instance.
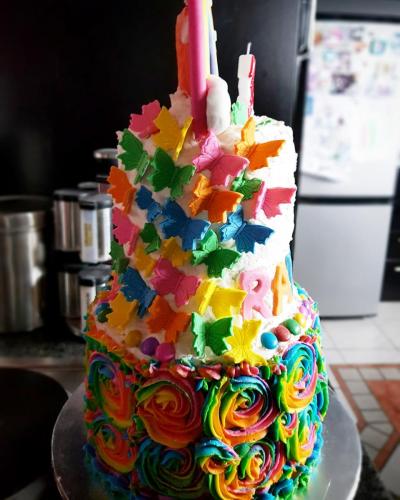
(95, 227)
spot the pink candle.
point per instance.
(198, 76)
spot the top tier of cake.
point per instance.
(202, 228)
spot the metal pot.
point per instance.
(22, 262)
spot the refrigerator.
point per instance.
(350, 155)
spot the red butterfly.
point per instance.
(124, 231)
(143, 124)
(269, 200)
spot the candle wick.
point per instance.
(248, 48)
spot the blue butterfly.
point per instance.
(134, 288)
(177, 223)
(145, 201)
(245, 235)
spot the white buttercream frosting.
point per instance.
(279, 173)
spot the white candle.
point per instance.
(246, 72)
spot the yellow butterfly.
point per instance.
(241, 348)
(122, 311)
(142, 261)
(223, 301)
(172, 251)
(257, 154)
(170, 136)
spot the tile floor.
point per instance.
(364, 366)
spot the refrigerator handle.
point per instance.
(308, 9)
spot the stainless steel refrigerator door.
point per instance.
(339, 255)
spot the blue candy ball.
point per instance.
(269, 341)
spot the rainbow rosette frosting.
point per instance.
(170, 409)
(300, 445)
(111, 388)
(114, 447)
(295, 387)
(238, 410)
(240, 472)
(169, 471)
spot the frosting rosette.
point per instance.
(300, 445)
(284, 426)
(238, 410)
(169, 471)
(238, 473)
(170, 409)
(114, 447)
(295, 387)
(111, 388)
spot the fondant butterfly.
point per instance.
(221, 165)
(167, 175)
(247, 187)
(245, 235)
(170, 136)
(143, 262)
(120, 188)
(145, 201)
(269, 200)
(163, 317)
(134, 288)
(216, 201)
(134, 156)
(257, 154)
(177, 223)
(211, 334)
(213, 256)
(119, 260)
(143, 124)
(150, 236)
(124, 230)
(168, 279)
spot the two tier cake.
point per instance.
(205, 376)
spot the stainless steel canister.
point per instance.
(68, 289)
(66, 220)
(91, 280)
(96, 227)
(22, 262)
(105, 157)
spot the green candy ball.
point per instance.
(292, 326)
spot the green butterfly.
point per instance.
(149, 235)
(213, 256)
(211, 334)
(247, 187)
(134, 155)
(167, 175)
(119, 260)
(239, 113)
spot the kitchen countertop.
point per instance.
(59, 353)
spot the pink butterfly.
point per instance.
(124, 231)
(221, 165)
(269, 200)
(167, 279)
(143, 124)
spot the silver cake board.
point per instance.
(335, 478)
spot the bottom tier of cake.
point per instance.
(190, 430)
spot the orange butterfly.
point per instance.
(121, 189)
(163, 317)
(170, 136)
(215, 199)
(257, 154)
